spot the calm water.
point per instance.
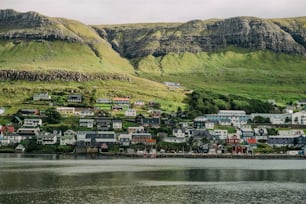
(69, 179)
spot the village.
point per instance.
(127, 126)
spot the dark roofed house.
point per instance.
(104, 123)
(151, 122)
(74, 98)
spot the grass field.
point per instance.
(253, 74)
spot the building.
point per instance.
(130, 113)
(261, 134)
(229, 118)
(84, 112)
(68, 138)
(32, 122)
(247, 132)
(123, 103)
(66, 110)
(88, 123)
(221, 134)
(41, 97)
(139, 103)
(29, 112)
(97, 138)
(104, 101)
(28, 133)
(11, 138)
(45, 138)
(179, 132)
(139, 129)
(174, 139)
(124, 140)
(275, 119)
(117, 124)
(141, 138)
(288, 138)
(104, 124)
(74, 98)
(299, 118)
(151, 122)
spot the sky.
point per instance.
(138, 11)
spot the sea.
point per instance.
(78, 179)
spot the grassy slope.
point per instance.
(138, 89)
(254, 74)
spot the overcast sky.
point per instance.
(136, 11)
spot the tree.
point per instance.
(53, 116)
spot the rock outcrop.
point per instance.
(196, 36)
(61, 75)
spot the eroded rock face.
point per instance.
(61, 75)
(196, 36)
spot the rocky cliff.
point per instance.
(196, 36)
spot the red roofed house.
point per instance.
(124, 103)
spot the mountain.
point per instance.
(247, 56)
(33, 41)
(279, 35)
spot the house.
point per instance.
(28, 133)
(124, 103)
(11, 138)
(74, 98)
(117, 124)
(301, 103)
(124, 140)
(275, 119)
(66, 110)
(233, 139)
(155, 113)
(6, 129)
(299, 118)
(199, 122)
(68, 138)
(29, 112)
(261, 134)
(234, 118)
(20, 148)
(221, 134)
(151, 122)
(174, 139)
(84, 112)
(141, 138)
(88, 123)
(173, 85)
(32, 122)
(104, 124)
(42, 97)
(247, 132)
(289, 138)
(97, 139)
(209, 125)
(139, 129)
(104, 101)
(45, 138)
(130, 113)
(179, 132)
(139, 103)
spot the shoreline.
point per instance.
(169, 155)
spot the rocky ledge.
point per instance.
(60, 75)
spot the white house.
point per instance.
(69, 138)
(178, 132)
(41, 97)
(32, 122)
(130, 113)
(117, 124)
(135, 129)
(299, 118)
(66, 110)
(84, 122)
(11, 138)
(48, 138)
(174, 139)
(221, 134)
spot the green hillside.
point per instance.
(253, 74)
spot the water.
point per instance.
(82, 179)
